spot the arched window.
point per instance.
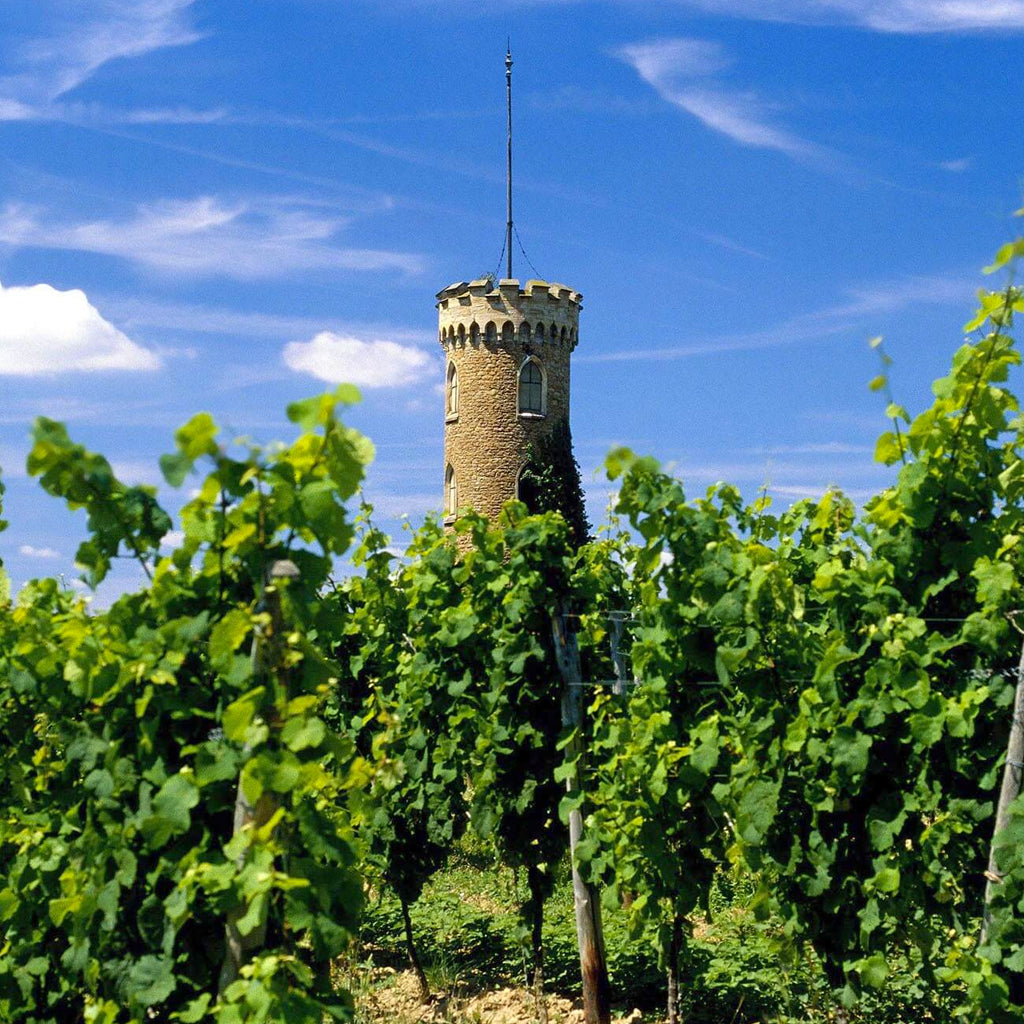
(531, 388)
(490, 332)
(540, 332)
(527, 490)
(452, 404)
(525, 334)
(508, 332)
(451, 491)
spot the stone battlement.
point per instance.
(492, 313)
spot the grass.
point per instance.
(735, 970)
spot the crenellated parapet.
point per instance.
(489, 313)
(507, 369)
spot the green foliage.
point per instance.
(550, 480)
(398, 714)
(816, 708)
(127, 738)
(456, 653)
(119, 516)
(830, 696)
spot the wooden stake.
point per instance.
(621, 681)
(238, 947)
(589, 933)
(1008, 792)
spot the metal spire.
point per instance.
(508, 93)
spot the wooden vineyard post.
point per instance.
(589, 933)
(618, 661)
(238, 948)
(1008, 792)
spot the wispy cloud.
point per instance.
(131, 312)
(209, 236)
(77, 39)
(964, 163)
(907, 17)
(138, 471)
(15, 110)
(71, 408)
(685, 73)
(370, 363)
(794, 477)
(723, 242)
(394, 506)
(791, 471)
(814, 491)
(30, 551)
(44, 331)
(822, 448)
(12, 462)
(861, 302)
(903, 17)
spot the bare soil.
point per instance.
(390, 997)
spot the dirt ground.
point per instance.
(393, 998)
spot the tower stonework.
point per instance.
(507, 352)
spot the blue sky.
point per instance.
(225, 205)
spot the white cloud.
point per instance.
(172, 540)
(33, 552)
(194, 318)
(817, 491)
(369, 363)
(244, 239)
(906, 17)
(683, 72)
(893, 16)
(723, 242)
(665, 59)
(958, 166)
(394, 506)
(862, 302)
(46, 331)
(137, 471)
(14, 110)
(12, 462)
(824, 448)
(175, 115)
(77, 39)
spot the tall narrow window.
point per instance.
(451, 492)
(453, 391)
(531, 388)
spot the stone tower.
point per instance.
(506, 383)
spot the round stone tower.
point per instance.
(506, 382)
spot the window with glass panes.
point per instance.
(531, 388)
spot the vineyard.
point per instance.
(238, 791)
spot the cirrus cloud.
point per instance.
(903, 17)
(246, 238)
(684, 72)
(45, 331)
(77, 39)
(370, 363)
